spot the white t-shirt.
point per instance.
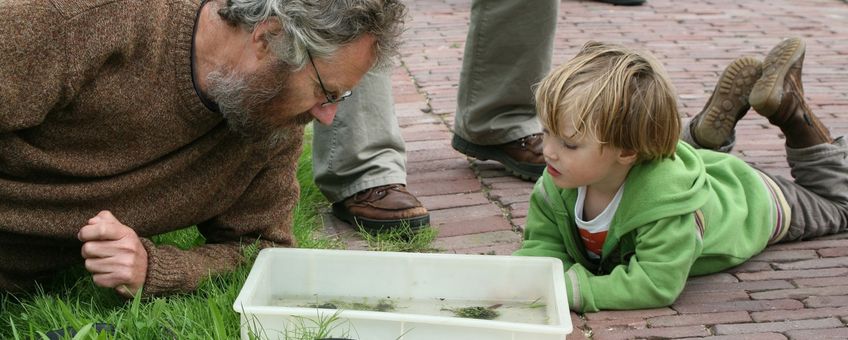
(594, 232)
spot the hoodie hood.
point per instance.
(653, 190)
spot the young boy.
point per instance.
(632, 212)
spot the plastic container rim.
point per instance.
(253, 277)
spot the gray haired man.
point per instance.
(124, 119)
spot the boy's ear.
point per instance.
(628, 157)
(262, 35)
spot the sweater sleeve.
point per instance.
(34, 68)
(654, 276)
(264, 213)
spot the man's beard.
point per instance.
(247, 101)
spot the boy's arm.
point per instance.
(654, 276)
(542, 233)
(543, 237)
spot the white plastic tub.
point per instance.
(280, 297)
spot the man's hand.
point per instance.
(113, 254)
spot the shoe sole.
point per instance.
(525, 171)
(371, 225)
(768, 91)
(728, 102)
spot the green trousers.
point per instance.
(363, 147)
(508, 49)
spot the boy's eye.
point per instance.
(547, 134)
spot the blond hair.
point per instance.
(617, 96)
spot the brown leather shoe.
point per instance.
(522, 157)
(713, 127)
(779, 96)
(383, 207)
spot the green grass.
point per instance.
(74, 301)
(402, 239)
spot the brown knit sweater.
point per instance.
(98, 112)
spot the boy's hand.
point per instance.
(113, 254)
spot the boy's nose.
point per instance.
(548, 149)
(324, 115)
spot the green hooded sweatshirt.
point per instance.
(698, 213)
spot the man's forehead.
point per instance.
(350, 62)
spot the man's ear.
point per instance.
(262, 35)
(628, 157)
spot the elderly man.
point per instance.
(123, 119)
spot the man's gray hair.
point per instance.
(321, 26)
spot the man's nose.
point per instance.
(324, 115)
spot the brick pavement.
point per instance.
(794, 291)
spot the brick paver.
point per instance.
(790, 291)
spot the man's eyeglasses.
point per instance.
(331, 97)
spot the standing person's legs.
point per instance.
(508, 49)
(359, 162)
